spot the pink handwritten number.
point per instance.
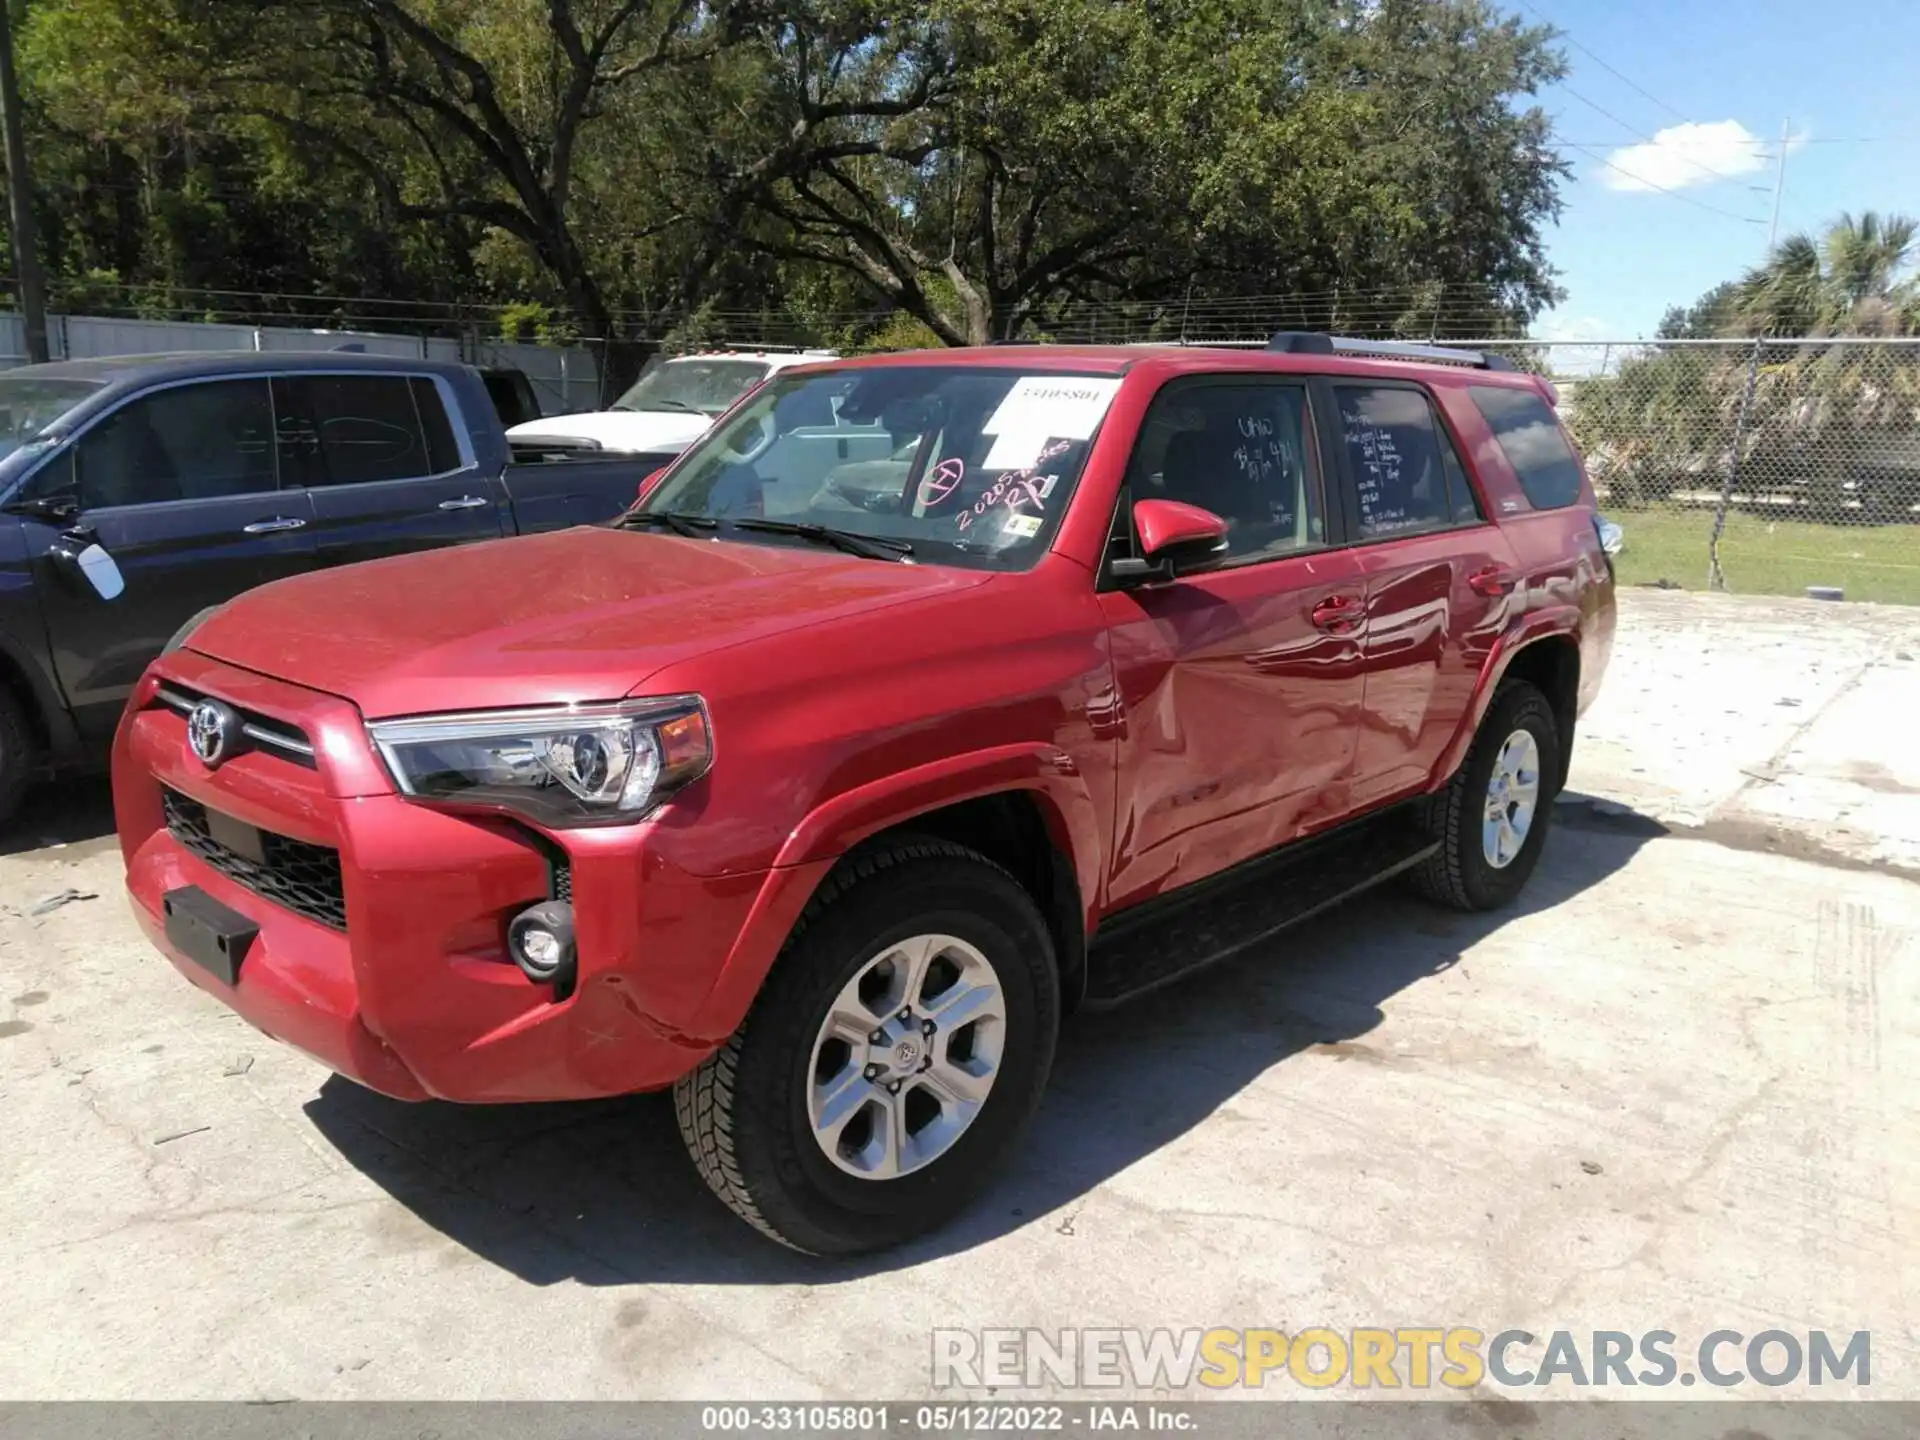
(944, 480)
(1017, 488)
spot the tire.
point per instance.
(746, 1114)
(19, 755)
(1461, 874)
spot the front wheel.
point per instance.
(898, 1048)
(1491, 820)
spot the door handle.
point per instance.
(269, 527)
(1339, 613)
(465, 502)
(1493, 581)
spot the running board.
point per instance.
(1154, 944)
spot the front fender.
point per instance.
(838, 824)
(1548, 623)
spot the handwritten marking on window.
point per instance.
(1017, 488)
(944, 479)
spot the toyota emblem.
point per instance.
(211, 730)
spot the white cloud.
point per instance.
(1567, 329)
(1690, 154)
(1573, 349)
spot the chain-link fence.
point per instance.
(1777, 467)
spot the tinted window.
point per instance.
(191, 442)
(1243, 451)
(442, 453)
(351, 429)
(1531, 440)
(1399, 460)
(1466, 507)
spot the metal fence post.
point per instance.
(1716, 578)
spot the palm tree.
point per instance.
(1853, 282)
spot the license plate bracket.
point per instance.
(214, 936)
(236, 835)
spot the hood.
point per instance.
(573, 615)
(637, 430)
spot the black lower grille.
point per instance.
(304, 878)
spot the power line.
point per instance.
(1649, 139)
(1631, 85)
(1623, 79)
(1761, 144)
(1642, 180)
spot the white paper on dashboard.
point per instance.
(1015, 451)
(101, 572)
(1040, 408)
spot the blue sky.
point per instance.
(1696, 107)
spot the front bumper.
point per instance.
(416, 996)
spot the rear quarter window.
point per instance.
(1531, 439)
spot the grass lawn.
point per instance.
(1762, 556)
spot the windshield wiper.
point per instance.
(667, 402)
(691, 526)
(871, 547)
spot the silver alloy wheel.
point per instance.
(905, 1057)
(1513, 794)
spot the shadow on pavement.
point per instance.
(75, 811)
(602, 1193)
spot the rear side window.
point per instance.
(442, 454)
(1531, 439)
(352, 429)
(1405, 474)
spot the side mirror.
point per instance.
(1175, 539)
(647, 482)
(58, 509)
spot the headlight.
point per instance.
(577, 765)
(1612, 538)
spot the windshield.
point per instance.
(966, 465)
(701, 387)
(29, 404)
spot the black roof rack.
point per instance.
(1316, 342)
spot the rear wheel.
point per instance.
(899, 1046)
(1491, 820)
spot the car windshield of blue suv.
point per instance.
(946, 464)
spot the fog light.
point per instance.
(541, 939)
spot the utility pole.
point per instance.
(1779, 185)
(26, 248)
(1716, 577)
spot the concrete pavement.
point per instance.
(1675, 1089)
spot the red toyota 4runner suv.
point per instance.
(927, 697)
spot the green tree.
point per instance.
(1853, 281)
(1828, 426)
(813, 168)
(1031, 154)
